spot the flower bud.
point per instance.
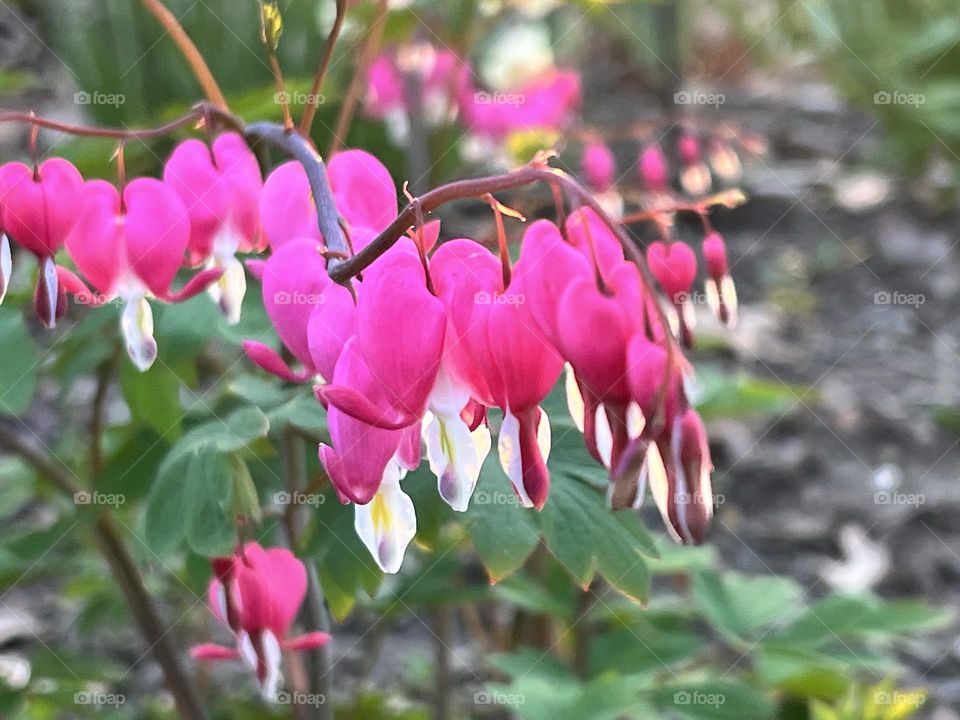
(653, 169)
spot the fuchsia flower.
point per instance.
(220, 186)
(37, 212)
(131, 247)
(257, 593)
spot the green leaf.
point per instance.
(19, 363)
(154, 397)
(739, 606)
(503, 533)
(227, 434)
(717, 700)
(191, 500)
(586, 537)
(845, 616)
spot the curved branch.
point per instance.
(295, 144)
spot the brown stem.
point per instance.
(583, 631)
(313, 99)
(193, 56)
(442, 638)
(352, 98)
(128, 577)
(104, 375)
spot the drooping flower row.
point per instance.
(440, 334)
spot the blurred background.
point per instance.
(827, 584)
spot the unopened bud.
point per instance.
(653, 168)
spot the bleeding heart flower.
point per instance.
(294, 283)
(721, 292)
(257, 594)
(545, 103)
(654, 173)
(683, 493)
(387, 93)
(38, 210)
(695, 175)
(131, 248)
(363, 191)
(220, 186)
(599, 166)
(674, 265)
(384, 375)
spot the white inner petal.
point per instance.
(136, 322)
(6, 265)
(604, 436)
(508, 446)
(229, 290)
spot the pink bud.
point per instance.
(599, 166)
(674, 266)
(653, 168)
(688, 147)
(715, 254)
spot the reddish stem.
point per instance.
(313, 99)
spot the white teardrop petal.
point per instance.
(604, 436)
(136, 322)
(388, 523)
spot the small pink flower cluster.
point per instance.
(129, 244)
(447, 89)
(437, 337)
